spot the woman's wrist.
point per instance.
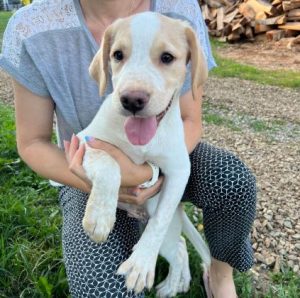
(139, 174)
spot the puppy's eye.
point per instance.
(166, 58)
(118, 55)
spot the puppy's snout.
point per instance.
(134, 101)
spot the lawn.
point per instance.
(4, 17)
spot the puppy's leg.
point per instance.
(100, 213)
(175, 251)
(140, 267)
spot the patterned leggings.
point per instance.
(220, 184)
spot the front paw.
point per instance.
(139, 271)
(98, 223)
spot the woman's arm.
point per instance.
(191, 114)
(34, 124)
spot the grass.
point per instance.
(30, 249)
(4, 17)
(230, 68)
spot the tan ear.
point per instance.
(198, 61)
(99, 66)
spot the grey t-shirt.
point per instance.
(47, 48)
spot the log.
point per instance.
(220, 18)
(289, 5)
(275, 35)
(294, 13)
(205, 13)
(259, 6)
(279, 20)
(229, 17)
(247, 11)
(291, 26)
(294, 44)
(233, 37)
(259, 28)
(249, 33)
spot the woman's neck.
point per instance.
(106, 11)
(99, 14)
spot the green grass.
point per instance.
(30, 244)
(230, 68)
(4, 17)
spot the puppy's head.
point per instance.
(147, 55)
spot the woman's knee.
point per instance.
(220, 180)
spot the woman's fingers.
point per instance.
(67, 148)
(73, 146)
(140, 197)
(76, 161)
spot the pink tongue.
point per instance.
(140, 131)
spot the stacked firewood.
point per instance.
(232, 20)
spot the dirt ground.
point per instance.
(263, 54)
(262, 126)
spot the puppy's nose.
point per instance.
(134, 101)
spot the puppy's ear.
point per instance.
(99, 66)
(198, 61)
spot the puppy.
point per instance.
(146, 55)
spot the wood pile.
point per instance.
(233, 20)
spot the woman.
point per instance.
(47, 49)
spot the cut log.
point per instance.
(294, 13)
(275, 2)
(290, 33)
(291, 26)
(289, 5)
(294, 44)
(249, 33)
(220, 18)
(229, 17)
(238, 29)
(275, 35)
(214, 3)
(247, 11)
(205, 13)
(259, 6)
(233, 37)
(279, 20)
(259, 28)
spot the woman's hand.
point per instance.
(133, 195)
(74, 155)
(138, 196)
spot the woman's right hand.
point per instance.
(74, 154)
(132, 195)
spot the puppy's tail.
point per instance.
(194, 236)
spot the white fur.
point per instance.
(168, 151)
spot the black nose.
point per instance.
(134, 101)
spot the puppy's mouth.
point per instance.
(141, 130)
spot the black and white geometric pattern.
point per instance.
(220, 184)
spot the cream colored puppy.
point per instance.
(146, 55)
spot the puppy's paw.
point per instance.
(139, 271)
(98, 224)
